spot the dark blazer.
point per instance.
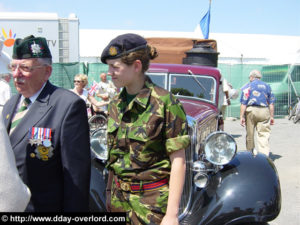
(60, 183)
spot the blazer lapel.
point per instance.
(11, 109)
(35, 113)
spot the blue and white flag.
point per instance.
(204, 23)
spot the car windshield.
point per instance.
(160, 79)
(191, 86)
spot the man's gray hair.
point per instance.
(46, 61)
(255, 74)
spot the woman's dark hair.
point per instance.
(144, 55)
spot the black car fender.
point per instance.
(245, 190)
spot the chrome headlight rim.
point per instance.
(201, 180)
(96, 142)
(232, 150)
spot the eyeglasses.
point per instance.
(78, 81)
(23, 68)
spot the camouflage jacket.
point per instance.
(142, 135)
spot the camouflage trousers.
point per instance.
(145, 207)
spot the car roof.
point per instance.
(184, 68)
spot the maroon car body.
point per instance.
(200, 112)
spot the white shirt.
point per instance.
(84, 94)
(106, 88)
(226, 88)
(5, 92)
(32, 98)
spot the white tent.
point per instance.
(233, 48)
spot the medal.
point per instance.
(35, 142)
(44, 153)
(40, 136)
(47, 143)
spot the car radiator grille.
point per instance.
(188, 182)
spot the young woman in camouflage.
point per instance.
(147, 138)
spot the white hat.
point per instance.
(233, 93)
(255, 74)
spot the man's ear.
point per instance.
(48, 71)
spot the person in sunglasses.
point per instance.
(49, 132)
(80, 82)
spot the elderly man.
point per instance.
(106, 90)
(257, 112)
(49, 132)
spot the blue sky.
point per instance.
(279, 17)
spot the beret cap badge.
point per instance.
(113, 51)
(36, 49)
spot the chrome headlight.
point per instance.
(220, 148)
(98, 144)
(201, 180)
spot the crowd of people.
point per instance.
(46, 128)
(80, 83)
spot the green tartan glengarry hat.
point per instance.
(31, 47)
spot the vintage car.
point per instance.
(222, 186)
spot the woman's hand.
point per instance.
(100, 104)
(104, 97)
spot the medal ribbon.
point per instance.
(39, 133)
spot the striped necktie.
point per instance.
(20, 114)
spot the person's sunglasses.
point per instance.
(77, 81)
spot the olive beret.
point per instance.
(31, 47)
(122, 45)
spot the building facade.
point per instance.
(62, 34)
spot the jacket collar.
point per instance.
(141, 99)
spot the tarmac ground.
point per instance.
(285, 153)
